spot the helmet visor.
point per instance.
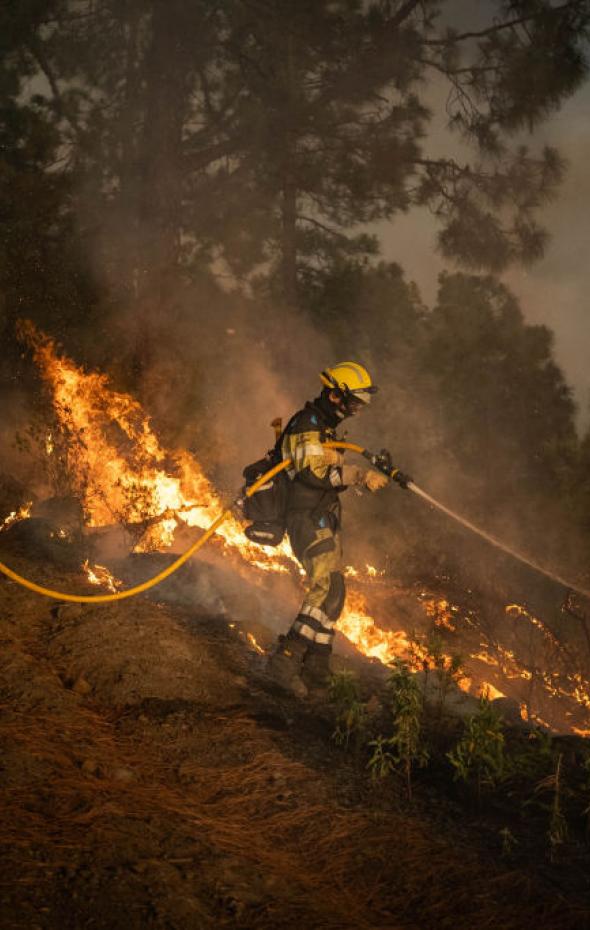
(363, 396)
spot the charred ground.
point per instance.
(152, 778)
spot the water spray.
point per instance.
(382, 461)
(496, 542)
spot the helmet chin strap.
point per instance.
(339, 405)
(347, 405)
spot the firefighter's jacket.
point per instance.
(314, 486)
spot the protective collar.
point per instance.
(329, 411)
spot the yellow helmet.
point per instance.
(351, 379)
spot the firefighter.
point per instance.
(318, 476)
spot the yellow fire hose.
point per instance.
(166, 572)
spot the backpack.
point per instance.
(267, 509)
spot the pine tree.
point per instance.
(333, 94)
(44, 271)
(265, 134)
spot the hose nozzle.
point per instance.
(382, 461)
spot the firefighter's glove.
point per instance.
(375, 480)
(333, 457)
(353, 475)
(402, 479)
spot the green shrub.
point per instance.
(509, 841)
(478, 757)
(405, 747)
(383, 759)
(351, 715)
(557, 831)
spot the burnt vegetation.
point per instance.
(188, 198)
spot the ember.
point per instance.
(100, 575)
(21, 514)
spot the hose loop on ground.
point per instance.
(170, 569)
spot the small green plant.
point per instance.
(448, 669)
(478, 757)
(442, 670)
(383, 759)
(557, 832)
(530, 760)
(542, 740)
(509, 841)
(350, 711)
(405, 748)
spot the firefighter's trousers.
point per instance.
(315, 540)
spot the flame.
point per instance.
(255, 646)
(23, 513)
(249, 638)
(441, 612)
(368, 573)
(100, 575)
(373, 572)
(518, 610)
(360, 628)
(123, 475)
(490, 691)
(121, 472)
(59, 533)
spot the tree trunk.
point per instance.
(289, 243)
(166, 76)
(169, 69)
(129, 261)
(289, 183)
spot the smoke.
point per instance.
(214, 364)
(21, 473)
(220, 370)
(554, 291)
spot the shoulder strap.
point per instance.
(277, 448)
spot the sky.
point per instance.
(554, 291)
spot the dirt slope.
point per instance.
(150, 779)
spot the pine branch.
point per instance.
(205, 156)
(389, 33)
(498, 27)
(322, 226)
(455, 72)
(405, 10)
(36, 50)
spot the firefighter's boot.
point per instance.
(285, 665)
(316, 670)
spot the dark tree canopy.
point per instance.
(506, 408)
(263, 135)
